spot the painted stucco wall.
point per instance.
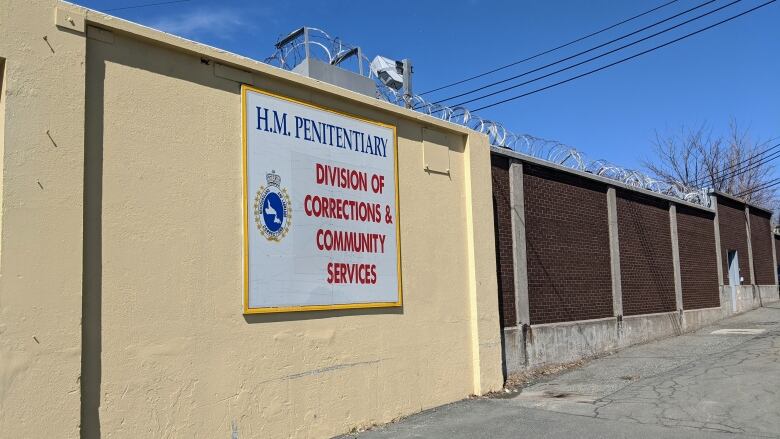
(41, 241)
(146, 193)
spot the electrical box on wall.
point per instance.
(436, 153)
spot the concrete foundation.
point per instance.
(643, 328)
(569, 341)
(696, 318)
(565, 342)
(513, 349)
(768, 293)
(746, 298)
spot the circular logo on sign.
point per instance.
(272, 209)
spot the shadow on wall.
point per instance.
(316, 315)
(92, 295)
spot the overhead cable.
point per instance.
(593, 58)
(147, 5)
(592, 34)
(620, 61)
(736, 169)
(492, 84)
(767, 185)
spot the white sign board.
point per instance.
(320, 208)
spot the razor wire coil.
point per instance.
(327, 49)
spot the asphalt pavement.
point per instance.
(722, 381)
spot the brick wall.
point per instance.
(503, 230)
(698, 261)
(761, 242)
(646, 267)
(733, 236)
(568, 247)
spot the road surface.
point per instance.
(699, 385)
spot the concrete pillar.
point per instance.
(676, 256)
(774, 254)
(483, 301)
(517, 206)
(749, 246)
(614, 253)
(714, 205)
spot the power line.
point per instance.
(624, 59)
(764, 186)
(709, 179)
(147, 5)
(594, 48)
(550, 50)
(729, 171)
(584, 61)
(749, 167)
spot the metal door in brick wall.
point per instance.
(734, 278)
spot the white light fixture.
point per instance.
(389, 71)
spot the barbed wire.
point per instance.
(327, 49)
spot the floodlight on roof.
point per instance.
(389, 71)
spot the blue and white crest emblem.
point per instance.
(272, 209)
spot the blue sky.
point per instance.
(728, 72)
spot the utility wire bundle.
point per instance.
(455, 104)
(453, 108)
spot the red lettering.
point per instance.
(338, 208)
(341, 177)
(341, 273)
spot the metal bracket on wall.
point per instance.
(69, 20)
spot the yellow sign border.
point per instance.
(283, 309)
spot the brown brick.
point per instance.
(568, 246)
(646, 268)
(503, 228)
(761, 243)
(733, 236)
(698, 260)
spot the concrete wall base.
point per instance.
(694, 319)
(768, 293)
(569, 341)
(647, 327)
(747, 298)
(513, 349)
(566, 342)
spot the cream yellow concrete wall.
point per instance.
(178, 356)
(167, 351)
(41, 242)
